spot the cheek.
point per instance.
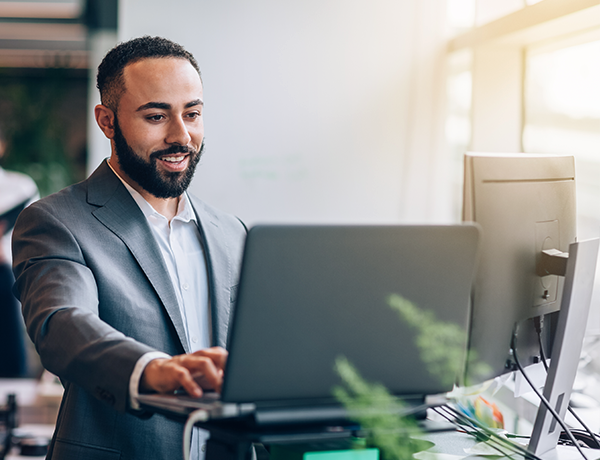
(197, 134)
(145, 139)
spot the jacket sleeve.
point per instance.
(59, 296)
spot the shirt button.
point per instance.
(203, 448)
(194, 339)
(185, 286)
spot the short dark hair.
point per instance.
(110, 71)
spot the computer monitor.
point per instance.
(531, 266)
(525, 204)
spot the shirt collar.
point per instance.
(185, 212)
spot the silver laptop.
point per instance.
(310, 294)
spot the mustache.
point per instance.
(173, 149)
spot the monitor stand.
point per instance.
(573, 316)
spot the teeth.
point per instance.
(173, 159)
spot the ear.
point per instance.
(105, 118)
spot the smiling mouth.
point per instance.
(173, 159)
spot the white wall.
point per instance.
(316, 110)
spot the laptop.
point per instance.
(309, 294)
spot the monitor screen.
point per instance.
(525, 204)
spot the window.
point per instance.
(459, 86)
(562, 115)
(534, 74)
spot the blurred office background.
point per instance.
(326, 111)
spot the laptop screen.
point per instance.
(311, 294)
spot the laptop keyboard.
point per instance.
(206, 398)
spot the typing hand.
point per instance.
(193, 372)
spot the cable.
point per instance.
(483, 434)
(593, 436)
(492, 435)
(465, 426)
(542, 398)
(199, 415)
(469, 430)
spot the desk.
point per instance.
(455, 446)
(37, 401)
(37, 408)
(31, 430)
(233, 442)
(230, 441)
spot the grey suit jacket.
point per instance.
(96, 296)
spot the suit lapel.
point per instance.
(219, 269)
(120, 214)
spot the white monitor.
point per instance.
(531, 267)
(525, 204)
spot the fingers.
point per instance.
(168, 375)
(217, 354)
(179, 376)
(192, 372)
(203, 370)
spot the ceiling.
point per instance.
(44, 33)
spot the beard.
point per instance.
(146, 174)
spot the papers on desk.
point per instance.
(483, 449)
(480, 449)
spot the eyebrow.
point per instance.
(167, 106)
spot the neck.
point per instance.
(165, 206)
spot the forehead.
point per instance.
(168, 80)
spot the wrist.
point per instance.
(147, 381)
(136, 375)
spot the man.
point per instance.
(125, 279)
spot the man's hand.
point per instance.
(202, 369)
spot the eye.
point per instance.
(194, 115)
(156, 117)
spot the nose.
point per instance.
(178, 132)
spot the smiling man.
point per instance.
(126, 280)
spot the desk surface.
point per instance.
(455, 446)
(31, 430)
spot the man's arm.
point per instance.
(61, 307)
(59, 296)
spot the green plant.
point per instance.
(36, 125)
(379, 414)
(442, 345)
(442, 348)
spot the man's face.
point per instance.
(146, 173)
(159, 131)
